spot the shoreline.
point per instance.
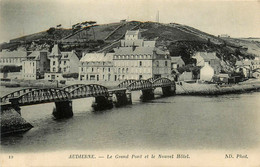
(213, 89)
(182, 88)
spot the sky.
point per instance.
(233, 17)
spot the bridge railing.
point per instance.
(5, 99)
(41, 96)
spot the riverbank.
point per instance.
(12, 122)
(183, 88)
(54, 84)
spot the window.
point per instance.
(53, 62)
(166, 63)
(64, 69)
(54, 69)
(119, 70)
(157, 63)
(108, 69)
(126, 70)
(92, 69)
(140, 64)
(103, 69)
(64, 62)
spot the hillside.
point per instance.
(178, 39)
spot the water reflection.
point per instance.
(179, 122)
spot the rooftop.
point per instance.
(176, 59)
(97, 57)
(132, 32)
(138, 50)
(13, 54)
(55, 50)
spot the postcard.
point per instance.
(129, 83)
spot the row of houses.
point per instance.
(250, 68)
(135, 58)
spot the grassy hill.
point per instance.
(180, 40)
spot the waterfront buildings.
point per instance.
(248, 67)
(13, 58)
(176, 62)
(61, 63)
(209, 57)
(139, 59)
(35, 65)
(96, 67)
(206, 72)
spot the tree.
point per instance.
(51, 30)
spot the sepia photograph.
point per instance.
(129, 83)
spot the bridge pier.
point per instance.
(63, 109)
(11, 120)
(168, 91)
(122, 98)
(102, 103)
(147, 94)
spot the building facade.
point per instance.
(210, 58)
(139, 59)
(96, 67)
(248, 67)
(35, 65)
(14, 58)
(176, 62)
(206, 72)
(61, 63)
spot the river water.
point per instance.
(178, 122)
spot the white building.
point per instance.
(206, 72)
(13, 58)
(96, 67)
(177, 62)
(61, 63)
(36, 64)
(210, 58)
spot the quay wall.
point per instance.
(214, 89)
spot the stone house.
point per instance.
(96, 67)
(35, 65)
(210, 58)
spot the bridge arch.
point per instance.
(162, 82)
(125, 83)
(72, 87)
(151, 79)
(41, 96)
(5, 99)
(90, 90)
(140, 85)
